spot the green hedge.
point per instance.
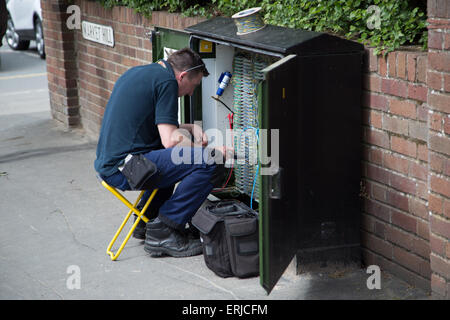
(383, 24)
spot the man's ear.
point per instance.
(181, 75)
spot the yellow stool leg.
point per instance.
(140, 215)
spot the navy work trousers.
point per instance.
(194, 174)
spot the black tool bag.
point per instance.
(139, 171)
(229, 234)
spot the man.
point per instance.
(141, 117)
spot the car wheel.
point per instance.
(13, 39)
(39, 34)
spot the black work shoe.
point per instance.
(139, 231)
(192, 232)
(160, 240)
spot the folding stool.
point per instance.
(139, 213)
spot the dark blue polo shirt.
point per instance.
(142, 97)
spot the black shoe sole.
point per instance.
(160, 251)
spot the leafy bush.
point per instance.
(384, 24)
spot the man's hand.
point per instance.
(171, 136)
(199, 137)
(227, 152)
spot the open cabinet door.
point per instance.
(279, 96)
(309, 203)
(165, 40)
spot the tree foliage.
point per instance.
(383, 24)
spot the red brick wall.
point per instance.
(61, 63)
(395, 229)
(99, 66)
(406, 167)
(82, 73)
(438, 78)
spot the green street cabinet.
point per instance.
(295, 101)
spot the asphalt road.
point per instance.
(23, 83)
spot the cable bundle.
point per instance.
(246, 76)
(248, 21)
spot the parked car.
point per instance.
(25, 24)
(3, 20)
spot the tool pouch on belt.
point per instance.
(229, 234)
(138, 171)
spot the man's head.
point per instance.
(189, 70)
